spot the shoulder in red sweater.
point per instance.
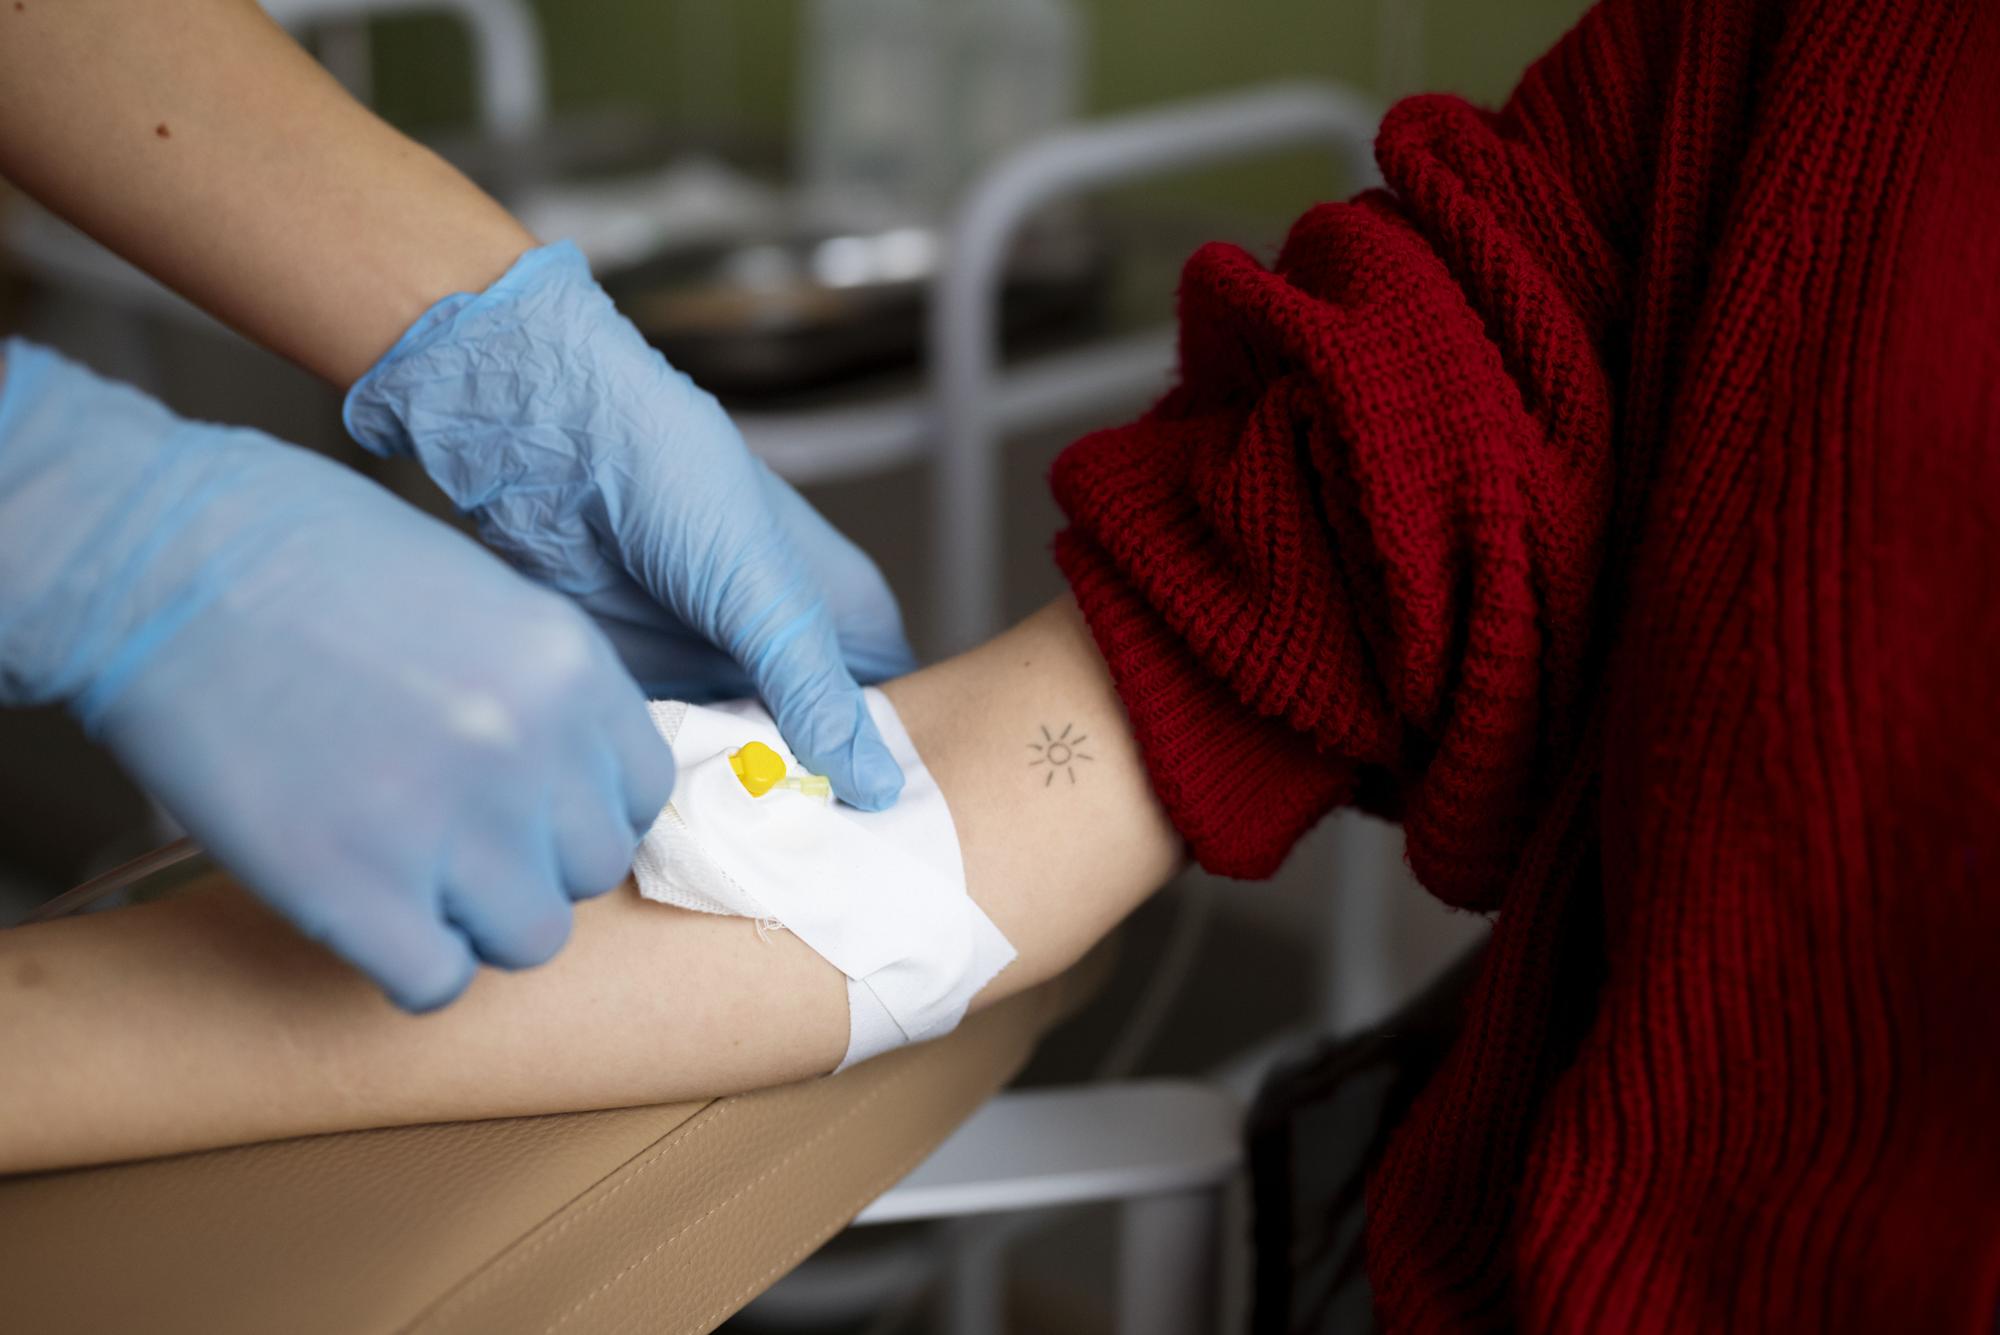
(1611, 497)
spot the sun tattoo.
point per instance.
(1059, 753)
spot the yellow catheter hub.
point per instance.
(757, 767)
(760, 769)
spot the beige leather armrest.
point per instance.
(662, 1219)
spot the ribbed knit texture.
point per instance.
(1613, 499)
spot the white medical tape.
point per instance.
(880, 895)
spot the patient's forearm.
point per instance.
(204, 1021)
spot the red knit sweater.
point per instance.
(1613, 498)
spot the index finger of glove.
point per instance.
(865, 615)
(822, 713)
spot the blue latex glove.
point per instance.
(598, 469)
(412, 752)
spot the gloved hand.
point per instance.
(598, 469)
(409, 750)
(673, 662)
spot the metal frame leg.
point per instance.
(964, 331)
(972, 1299)
(1170, 1263)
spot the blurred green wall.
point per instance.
(730, 65)
(733, 60)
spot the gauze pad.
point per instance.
(879, 894)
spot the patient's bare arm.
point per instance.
(204, 1021)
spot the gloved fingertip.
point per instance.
(440, 985)
(578, 895)
(878, 779)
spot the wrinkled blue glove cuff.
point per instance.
(373, 411)
(508, 398)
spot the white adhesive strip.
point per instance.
(881, 895)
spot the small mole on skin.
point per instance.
(29, 973)
(162, 130)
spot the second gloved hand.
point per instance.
(410, 751)
(600, 470)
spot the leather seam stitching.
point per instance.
(719, 1108)
(756, 1286)
(770, 1171)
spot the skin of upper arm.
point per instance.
(1061, 833)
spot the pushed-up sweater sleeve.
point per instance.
(1351, 557)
